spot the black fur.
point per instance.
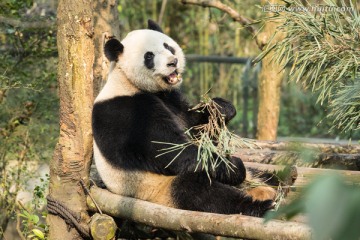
(171, 49)
(154, 26)
(112, 49)
(193, 191)
(149, 60)
(226, 108)
(125, 127)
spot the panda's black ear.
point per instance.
(154, 26)
(112, 49)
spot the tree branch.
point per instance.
(231, 12)
(180, 220)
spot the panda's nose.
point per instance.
(173, 63)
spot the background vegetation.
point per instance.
(28, 100)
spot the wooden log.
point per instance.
(302, 158)
(299, 146)
(305, 175)
(181, 220)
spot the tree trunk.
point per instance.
(269, 86)
(72, 156)
(106, 23)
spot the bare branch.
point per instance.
(175, 219)
(231, 12)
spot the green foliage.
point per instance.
(13, 175)
(346, 107)
(28, 76)
(28, 103)
(32, 226)
(12, 7)
(39, 193)
(332, 207)
(323, 49)
(299, 115)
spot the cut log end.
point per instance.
(103, 227)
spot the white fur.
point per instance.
(116, 85)
(116, 180)
(146, 186)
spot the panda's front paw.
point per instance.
(226, 108)
(232, 176)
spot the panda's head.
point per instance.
(150, 60)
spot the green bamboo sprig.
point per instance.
(216, 144)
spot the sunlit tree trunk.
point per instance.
(106, 24)
(269, 86)
(72, 156)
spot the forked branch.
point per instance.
(231, 12)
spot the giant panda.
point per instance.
(141, 104)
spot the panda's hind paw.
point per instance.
(262, 193)
(266, 206)
(259, 208)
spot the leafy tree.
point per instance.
(322, 46)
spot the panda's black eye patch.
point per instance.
(149, 60)
(171, 49)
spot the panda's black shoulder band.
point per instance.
(112, 49)
(154, 26)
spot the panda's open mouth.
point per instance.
(173, 78)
